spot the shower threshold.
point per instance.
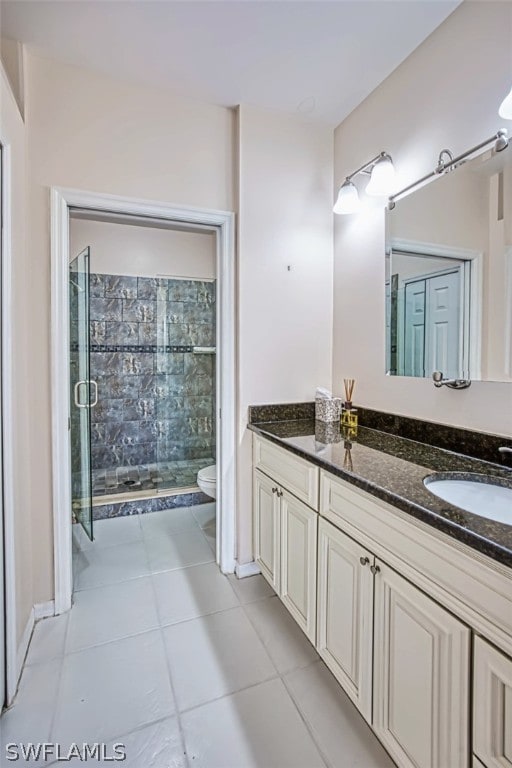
(135, 494)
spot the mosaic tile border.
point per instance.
(136, 507)
(150, 349)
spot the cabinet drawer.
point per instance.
(492, 706)
(295, 474)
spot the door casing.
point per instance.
(11, 661)
(223, 223)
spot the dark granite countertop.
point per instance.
(392, 468)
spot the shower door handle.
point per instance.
(94, 384)
(88, 383)
(77, 392)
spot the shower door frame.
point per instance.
(223, 223)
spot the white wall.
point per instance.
(446, 94)
(92, 133)
(20, 371)
(451, 211)
(145, 251)
(89, 132)
(11, 53)
(285, 272)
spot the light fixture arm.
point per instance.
(367, 165)
(500, 139)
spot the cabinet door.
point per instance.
(266, 528)
(421, 673)
(492, 706)
(345, 613)
(298, 562)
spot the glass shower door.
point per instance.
(82, 392)
(185, 372)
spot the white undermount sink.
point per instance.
(492, 500)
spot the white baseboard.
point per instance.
(243, 570)
(23, 646)
(44, 610)
(39, 611)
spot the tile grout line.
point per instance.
(160, 624)
(171, 683)
(179, 712)
(214, 551)
(282, 675)
(162, 627)
(303, 717)
(61, 673)
(187, 710)
(117, 737)
(258, 635)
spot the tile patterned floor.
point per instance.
(184, 666)
(146, 477)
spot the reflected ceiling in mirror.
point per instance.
(449, 274)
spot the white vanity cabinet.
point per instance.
(285, 529)
(492, 706)
(397, 606)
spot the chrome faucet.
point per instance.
(439, 381)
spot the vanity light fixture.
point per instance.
(348, 198)
(382, 174)
(499, 139)
(382, 178)
(505, 110)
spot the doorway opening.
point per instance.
(148, 291)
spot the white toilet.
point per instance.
(207, 480)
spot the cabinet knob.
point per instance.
(274, 490)
(364, 560)
(374, 569)
(279, 493)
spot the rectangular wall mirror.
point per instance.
(449, 274)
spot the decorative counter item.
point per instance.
(328, 433)
(327, 407)
(348, 412)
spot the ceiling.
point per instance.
(321, 58)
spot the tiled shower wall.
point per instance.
(156, 397)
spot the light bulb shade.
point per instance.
(505, 110)
(348, 199)
(382, 178)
